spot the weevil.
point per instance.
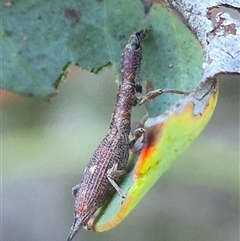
(109, 160)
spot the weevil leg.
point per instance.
(138, 138)
(74, 190)
(112, 175)
(154, 93)
(90, 223)
(136, 144)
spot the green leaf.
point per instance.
(92, 35)
(40, 38)
(167, 136)
(172, 59)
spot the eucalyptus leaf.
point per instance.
(40, 38)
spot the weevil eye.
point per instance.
(135, 46)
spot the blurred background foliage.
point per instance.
(46, 146)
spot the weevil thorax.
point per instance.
(132, 55)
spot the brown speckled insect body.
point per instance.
(110, 158)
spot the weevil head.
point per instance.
(77, 224)
(136, 39)
(131, 57)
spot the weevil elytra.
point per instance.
(109, 160)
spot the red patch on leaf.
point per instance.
(153, 135)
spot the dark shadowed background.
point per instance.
(46, 146)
